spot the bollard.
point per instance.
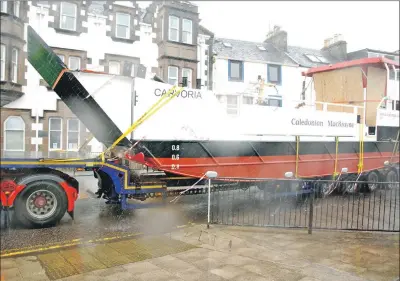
(209, 175)
(209, 203)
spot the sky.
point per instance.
(363, 24)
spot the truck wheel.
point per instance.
(372, 179)
(41, 204)
(392, 178)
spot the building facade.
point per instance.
(109, 36)
(106, 36)
(244, 71)
(177, 30)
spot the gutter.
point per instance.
(257, 61)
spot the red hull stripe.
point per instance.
(272, 166)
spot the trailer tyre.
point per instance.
(41, 204)
(373, 179)
(392, 179)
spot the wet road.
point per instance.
(96, 220)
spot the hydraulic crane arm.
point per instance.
(72, 92)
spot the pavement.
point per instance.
(219, 253)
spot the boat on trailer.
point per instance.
(352, 123)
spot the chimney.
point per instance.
(335, 47)
(278, 38)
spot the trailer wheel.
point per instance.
(372, 179)
(41, 204)
(392, 178)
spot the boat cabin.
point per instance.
(370, 84)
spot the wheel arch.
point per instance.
(70, 193)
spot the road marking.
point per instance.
(75, 242)
(70, 243)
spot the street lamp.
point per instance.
(210, 175)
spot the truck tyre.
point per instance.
(42, 203)
(392, 179)
(373, 179)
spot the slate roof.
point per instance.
(245, 50)
(299, 55)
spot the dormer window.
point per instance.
(68, 13)
(122, 25)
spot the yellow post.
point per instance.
(297, 155)
(335, 173)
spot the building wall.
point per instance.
(13, 18)
(44, 149)
(290, 88)
(94, 41)
(177, 53)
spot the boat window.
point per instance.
(247, 100)
(371, 131)
(275, 102)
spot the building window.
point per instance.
(4, 6)
(73, 134)
(55, 133)
(16, 8)
(68, 14)
(187, 72)
(247, 100)
(74, 63)
(162, 28)
(274, 74)
(173, 75)
(122, 29)
(62, 58)
(398, 75)
(232, 104)
(235, 70)
(14, 134)
(173, 29)
(14, 65)
(114, 67)
(187, 31)
(3, 62)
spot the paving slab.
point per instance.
(220, 253)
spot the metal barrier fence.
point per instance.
(292, 203)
